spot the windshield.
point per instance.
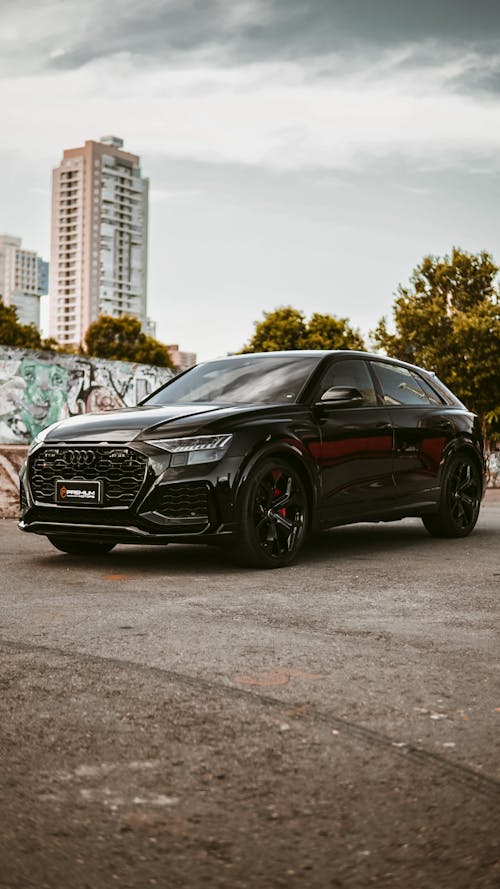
(268, 379)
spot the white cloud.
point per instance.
(228, 243)
(283, 116)
(28, 32)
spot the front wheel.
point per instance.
(461, 493)
(274, 516)
(81, 547)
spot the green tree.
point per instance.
(12, 333)
(51, 345)
(283, 329)
(286, 328)
(329, 332)
(448, 320)
(121, 339)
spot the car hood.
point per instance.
(123, 425)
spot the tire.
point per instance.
(461, 492)
(81, 547)
(274, 516)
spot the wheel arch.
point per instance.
(467, 448)
(294, 458)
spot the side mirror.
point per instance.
(341, 396)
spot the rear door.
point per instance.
(354, 453)
(423, 424)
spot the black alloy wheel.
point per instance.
(461, 493)
(80, 547)
(274, 516)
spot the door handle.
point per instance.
(442, 425)
(383, 427)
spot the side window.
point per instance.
(401, 386)
(433, 396)
(353, 373)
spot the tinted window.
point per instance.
(269, 379)
(401, 386)
(434, 396)
(353, 373)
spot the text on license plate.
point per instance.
(79, 493)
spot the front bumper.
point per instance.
(164, 503)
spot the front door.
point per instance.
(354, 454)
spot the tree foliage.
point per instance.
(286, 328)
(24, 336)
(329, 332)
(12, 333)
(448, 320)
(51, 345)
(121, 339)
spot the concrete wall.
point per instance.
(38, 388)
(12, 458)
(494, 469)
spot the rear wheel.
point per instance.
(81, 547)
(274, 516)
(461, 492)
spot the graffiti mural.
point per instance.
(493, 464)
(38, 388)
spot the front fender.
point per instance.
(297, 455)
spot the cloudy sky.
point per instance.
(304, 152)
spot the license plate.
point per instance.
(78, 493)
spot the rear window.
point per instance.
(401, 386)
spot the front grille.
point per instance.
(121, 470)
(180, 501)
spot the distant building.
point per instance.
(23, 279)
(43, 277)
(181, 360)
(99, 238)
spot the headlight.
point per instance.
(202, 449)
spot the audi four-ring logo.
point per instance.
(79, 458)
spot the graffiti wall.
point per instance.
(493, 463)
(38, 388)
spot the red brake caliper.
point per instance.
(277, 493)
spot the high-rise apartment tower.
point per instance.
(99, 238)
(23, 279)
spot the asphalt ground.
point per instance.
(169, 720)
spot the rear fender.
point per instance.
(465, 445)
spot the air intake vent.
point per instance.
(181, 501)
(23, 500)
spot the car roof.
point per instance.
(292, 353)
(312, 353)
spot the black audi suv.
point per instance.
(256, 451)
